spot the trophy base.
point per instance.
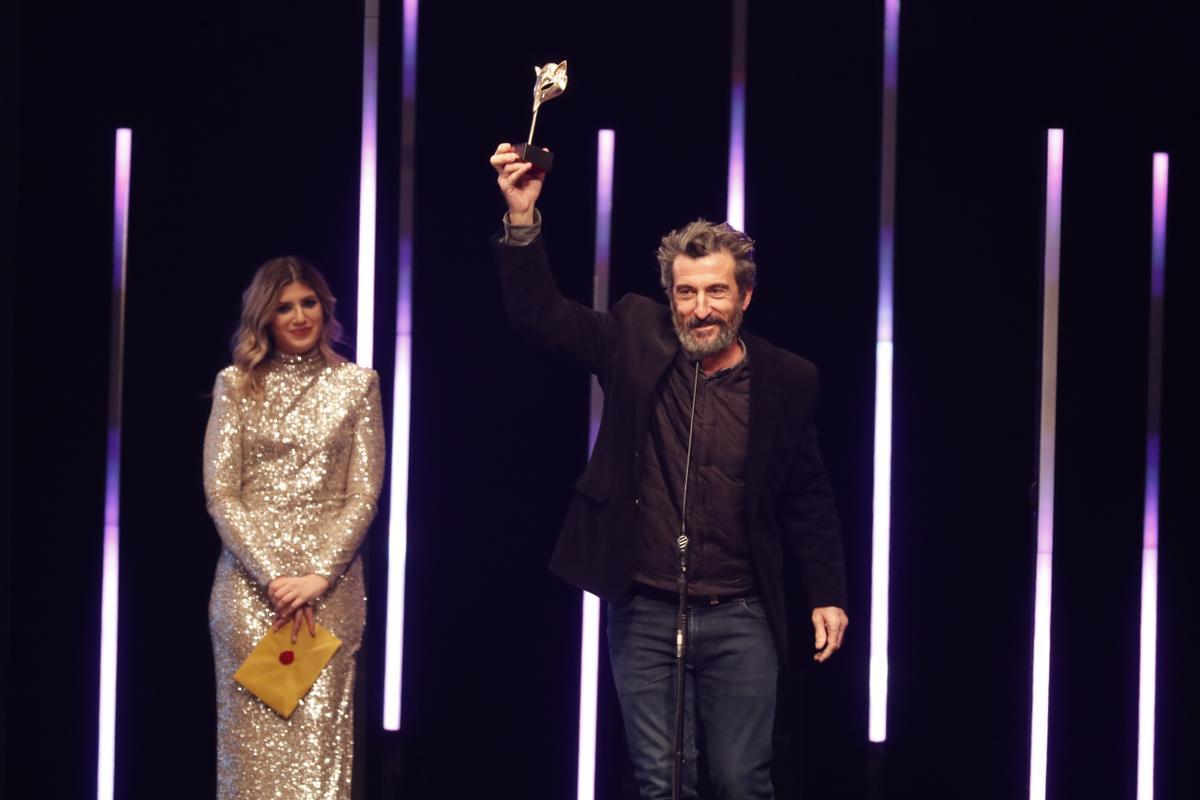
(540, 157)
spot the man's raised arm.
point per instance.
(534, 304)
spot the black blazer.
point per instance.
(788, 499)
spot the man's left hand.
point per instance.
(830, 623)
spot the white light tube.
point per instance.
(402, 386)
(881, 500)
(1147, 667)
(735, 197)
(367, 182)
(589, 654)
(1045, 510)
(106, 740)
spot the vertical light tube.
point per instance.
(402, 386)
(1149, 635)
(881, 501)
(1045, 501)
(735, 196)
(589, 654)
(365, 333)
(106, 749)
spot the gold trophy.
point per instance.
(551, 81)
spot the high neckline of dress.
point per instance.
(298, 359)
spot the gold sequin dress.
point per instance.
(292, 481)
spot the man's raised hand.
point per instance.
(520, 183)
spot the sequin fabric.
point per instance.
(292, 479)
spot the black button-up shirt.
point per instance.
(719, 549)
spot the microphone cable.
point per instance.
(681, 616)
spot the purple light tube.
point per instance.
(1045, 508)
(365, 329)
(589, 653)
(735, 196)
(393, 666)
(106, 739)
(1149, 625)
(881, 500)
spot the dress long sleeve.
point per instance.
(223, 485)
(292, 477)
(363, 483)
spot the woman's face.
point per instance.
(297, 319)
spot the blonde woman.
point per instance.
(293, 463)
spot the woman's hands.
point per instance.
(291, 596)
(520, 183)
(288, 594)
(302, 617)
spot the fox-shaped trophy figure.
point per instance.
(550, 81)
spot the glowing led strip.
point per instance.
(365, 338)
(881, 501)
(105, 767)
(402, 386)
(1149, 633)
(735, 197)
(589, 653)
(1045, 508)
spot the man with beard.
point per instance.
(704, 423)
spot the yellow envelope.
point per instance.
(280, 673)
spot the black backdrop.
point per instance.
(246, 137)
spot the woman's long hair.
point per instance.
(253, 344)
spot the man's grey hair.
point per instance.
(702, 238)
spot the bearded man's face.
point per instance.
(706, 307)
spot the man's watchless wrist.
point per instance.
(521, 235)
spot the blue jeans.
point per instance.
(730, 683)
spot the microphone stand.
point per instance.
(681, 619)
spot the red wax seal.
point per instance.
(287, 657)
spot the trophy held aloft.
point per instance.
(551, 81)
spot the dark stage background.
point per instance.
(246, 145)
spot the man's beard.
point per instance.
(696, 348)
